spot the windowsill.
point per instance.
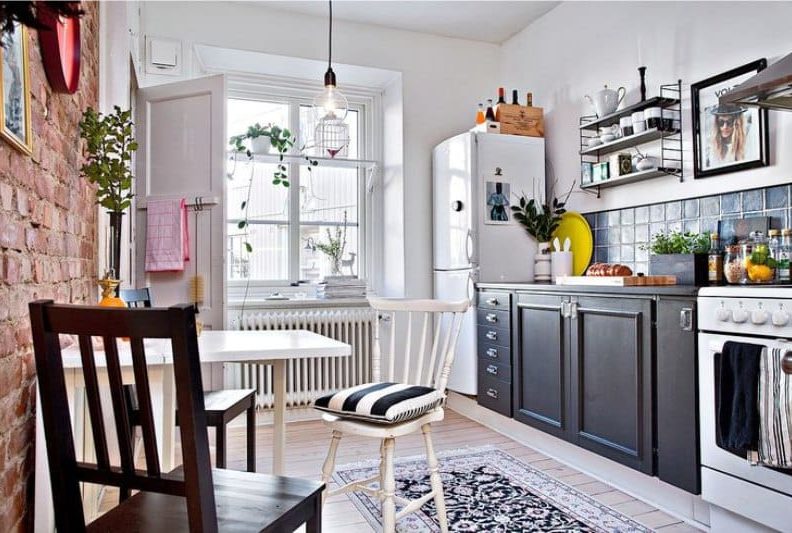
(297, 303)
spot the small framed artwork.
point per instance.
(497, 194)
(727, 137)
(15, 93)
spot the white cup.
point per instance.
(561, 264)
(638, 122)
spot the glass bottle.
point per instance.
(480, 118)
(490, 114)
(715, 261)
(774, 245)
(759, 265)
(515, 101)
(733, 265)
(501, 95)
(785, 256)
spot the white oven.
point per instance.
(760, 316)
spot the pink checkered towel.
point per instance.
(167, 239)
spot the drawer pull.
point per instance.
(492, 352)
(492, 393)
(492, 369)
(492, 335)
(492, 318)
(492, 301)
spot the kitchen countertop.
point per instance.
(661, 290)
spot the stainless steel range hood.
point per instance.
(771, 88)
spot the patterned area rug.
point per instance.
(488, 490)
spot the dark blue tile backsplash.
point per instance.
(620, 234)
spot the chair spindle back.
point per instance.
(423, 360)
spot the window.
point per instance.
(287, 226)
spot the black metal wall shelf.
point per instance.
(671, 147)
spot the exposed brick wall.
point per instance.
(47, 250)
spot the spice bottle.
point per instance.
(784, 257)
(733, 266)
(715, 261)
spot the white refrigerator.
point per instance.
(476, 179)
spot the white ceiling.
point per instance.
(492, 22)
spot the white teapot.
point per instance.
(607, 100)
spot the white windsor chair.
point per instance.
(426, 363)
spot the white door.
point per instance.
(181, 154)
(453, 208)
(458, 285)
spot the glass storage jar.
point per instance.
(733, 265)
(759, 264)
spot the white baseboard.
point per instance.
(670, 499)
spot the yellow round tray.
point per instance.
(574, 226)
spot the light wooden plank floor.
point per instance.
(307, 446)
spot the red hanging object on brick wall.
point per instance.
(60, 50)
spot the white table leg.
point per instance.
(168, 414)
(279, 422)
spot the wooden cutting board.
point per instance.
(617, 281)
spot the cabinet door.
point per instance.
(540, 362)
(611, 378)
(677, 395)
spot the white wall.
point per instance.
(442, 81)
(579, 46)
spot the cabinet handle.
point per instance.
(492, 369)
(565, 309)
(492, 393)
(492, 352)
(492, 318)
(492, 335)
(492, 301)
(686, 319)
(572, 310)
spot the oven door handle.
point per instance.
(786, 362)
(786, 359)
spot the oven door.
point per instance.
(717, 458)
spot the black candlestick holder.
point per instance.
(642, 72)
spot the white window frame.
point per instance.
(296, 93)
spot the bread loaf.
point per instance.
(607, 269)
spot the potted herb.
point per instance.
(540, 221)
(683, 255)
(109, 146)
(334, 247)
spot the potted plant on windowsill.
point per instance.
(683, 255)
(109, 145)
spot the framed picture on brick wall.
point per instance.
(15, 93)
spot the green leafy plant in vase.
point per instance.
(110, 143)
(335, 246)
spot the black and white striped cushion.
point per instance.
(381, 402)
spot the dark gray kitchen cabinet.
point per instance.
(677, 395)
(493, 318)
(610, 378)
(540, 362)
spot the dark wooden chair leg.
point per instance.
(220, 437)
(251, 438)
(314, 524)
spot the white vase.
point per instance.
(260, 145)
(542, 266)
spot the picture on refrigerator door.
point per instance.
(497, 196)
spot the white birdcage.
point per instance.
(331, 137)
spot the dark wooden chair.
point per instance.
(221, 406)
(194, 497)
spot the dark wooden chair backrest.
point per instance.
(176, 323)
(136, 297)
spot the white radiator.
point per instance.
(308, 379)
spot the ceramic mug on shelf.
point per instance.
(626, 126)
(638, 122)
(653, 118)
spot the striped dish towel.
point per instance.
(775, 410)
(167, 240)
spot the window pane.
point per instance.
(244, 113)
(308, 125)
(269, 259)
(328, 194)
(268, 202)
(314, 264)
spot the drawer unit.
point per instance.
(494, 394)
(494, 351)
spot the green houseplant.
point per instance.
(335, 246)
(683, 255)
(110, 143)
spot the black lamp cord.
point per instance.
(330, 37)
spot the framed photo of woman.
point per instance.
(727, 137)
(15, 89)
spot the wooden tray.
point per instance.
(616, 281)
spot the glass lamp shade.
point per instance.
(330, 104)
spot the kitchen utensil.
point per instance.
(561, 264)
(606, 101)
(567, 244)
(575, 228)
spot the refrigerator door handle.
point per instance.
(469, 246)
(471, 286)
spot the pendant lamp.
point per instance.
(331, 135)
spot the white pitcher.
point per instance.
(607, 100)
